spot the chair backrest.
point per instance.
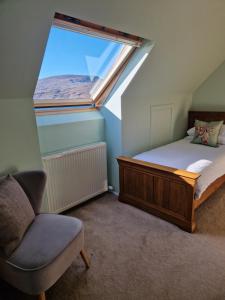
(33, 184)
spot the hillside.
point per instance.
(64, 87)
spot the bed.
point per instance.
(172, 181)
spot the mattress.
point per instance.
(182, 154)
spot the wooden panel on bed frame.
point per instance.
(163, 191)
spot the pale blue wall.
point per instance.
(113, 114)
(114, 146)
(61, 132)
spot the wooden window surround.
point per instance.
(100, 93)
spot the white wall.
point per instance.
(210, 95)
(19, 147)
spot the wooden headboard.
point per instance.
(207, 116)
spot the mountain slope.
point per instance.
(64, 87)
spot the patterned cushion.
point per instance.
(16, 214)
(206, 133)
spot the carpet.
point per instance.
(136, 256)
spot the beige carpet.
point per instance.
(137, 256)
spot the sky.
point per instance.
(69, 52)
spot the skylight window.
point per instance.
(81, 63)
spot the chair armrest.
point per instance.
(33, 184)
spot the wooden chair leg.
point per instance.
(42, 296)
(85, 258)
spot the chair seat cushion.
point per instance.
(45, 240)
(45, 253)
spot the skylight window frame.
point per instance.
(131, 43)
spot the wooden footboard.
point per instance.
(165, 192)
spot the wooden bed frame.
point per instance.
(163, 191)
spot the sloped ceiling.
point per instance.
(188, 34)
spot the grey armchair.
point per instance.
(49, 246)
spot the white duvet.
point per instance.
(208, 161)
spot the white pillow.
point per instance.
(222, 131)
(221, 137)
(191, 131)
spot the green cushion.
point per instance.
(206, 133)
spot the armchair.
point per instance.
(48, 247)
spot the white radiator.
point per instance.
(74, 176)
